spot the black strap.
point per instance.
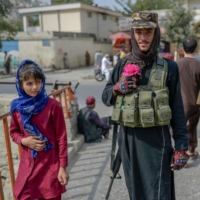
(159, 68)
(122, 64)
(114, 142)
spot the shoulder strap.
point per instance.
(123, 62)
(158, 74)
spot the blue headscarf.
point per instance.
(28, 106)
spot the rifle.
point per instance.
(116, 166)
(115, 161)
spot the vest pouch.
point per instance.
(130, 114)
(145, 99)
(130, 101)
(162, 97)
(161, 106)
(130, 117)
(146, 111)
(117, 112)
(118, 102)
(163, 115)
(147, 117)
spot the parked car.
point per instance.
(167, 55)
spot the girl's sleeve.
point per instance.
(61, 134)
(15, 131)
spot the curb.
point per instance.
(88, 77)
(6, 76)
(60, 71)
(75, 145)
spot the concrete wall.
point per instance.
(31, 46)
(76, 49)
(70, 21)
(50, 21)
(89, 24)
(96, 24)
(194, 4)
(45, 56)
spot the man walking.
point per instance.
(104, 66)
(144, 108)
(189, 69)
(98, 59)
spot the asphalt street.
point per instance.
(89, 169)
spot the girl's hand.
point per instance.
(33, 143)
(63, 176)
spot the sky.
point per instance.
(102, 3)
(109, 3)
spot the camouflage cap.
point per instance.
(145, 19)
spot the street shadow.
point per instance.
(91, 179)
(87, 158)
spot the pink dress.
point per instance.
(41, 173)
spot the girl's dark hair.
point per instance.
(28, 70)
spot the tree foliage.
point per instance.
(17, 24)
(129, 8)
(53, 2)
(178, 23)
(7, 30)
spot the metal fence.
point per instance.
(59, 95)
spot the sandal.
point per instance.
(193, 154)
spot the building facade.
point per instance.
(74, 17)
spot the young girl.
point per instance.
(38, 125)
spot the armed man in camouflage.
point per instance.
(145, 105)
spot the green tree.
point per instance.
(128, 8)
(7, 30)
(178, 23)
(18, 24)
(53, 2)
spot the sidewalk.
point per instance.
(90, 175)
(86, 72)
(2, 76)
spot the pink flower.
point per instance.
(131, 69)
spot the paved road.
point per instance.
(89, 170)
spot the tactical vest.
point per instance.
(148, 105)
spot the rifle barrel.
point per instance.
(109, 188)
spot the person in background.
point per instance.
(104, 66)
(189, 69)
(98, 59)
(87, 58)
(122, 53)
(101, 53)
(95, 59)
(66, 61)
(4, 61)
(90, 124)
(7, 64)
